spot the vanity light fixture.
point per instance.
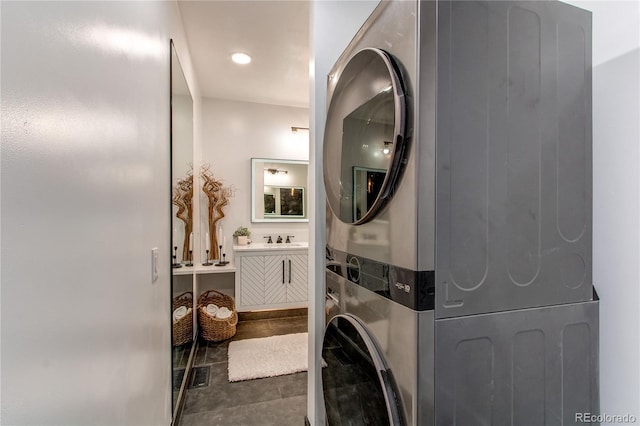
(241, 58)
(274, 171)
(386, 150)
(294, 129)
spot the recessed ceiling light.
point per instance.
(241, 58)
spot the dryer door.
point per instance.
(364, 139)
(357, 385)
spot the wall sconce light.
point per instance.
(386, 150)
(294, 129)
(274, 171)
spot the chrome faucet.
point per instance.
(279, 240)
(288, 240)
(269, 241)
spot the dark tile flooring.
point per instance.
(278, 400)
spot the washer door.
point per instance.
(357, 385)
(364, 139)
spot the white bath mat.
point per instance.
(267, 357)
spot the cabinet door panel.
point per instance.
(297, 288)
(275, 279)
(252, 287)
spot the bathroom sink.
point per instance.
(279, 245)
(272, 246)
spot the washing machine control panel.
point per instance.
(405, 287)
(413, 289)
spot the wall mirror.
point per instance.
(279, 190)
(182, 278)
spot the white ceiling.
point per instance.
(274, 33)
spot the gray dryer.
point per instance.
(457, 166)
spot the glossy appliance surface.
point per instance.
(365, 136)
(476, 369)
(526, 367)
(500, 195)
(513, 163)
(359, 386)
(471, 242)
(397, 333)
(354, 158)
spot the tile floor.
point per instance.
(278, 401)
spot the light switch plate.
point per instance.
(154, 264)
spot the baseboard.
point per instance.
(272, 313)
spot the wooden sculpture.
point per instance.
(218, 198)
(183, 198)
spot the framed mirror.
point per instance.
(279, 190)
(181, 309)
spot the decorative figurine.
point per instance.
(176, 264)
(207, 262)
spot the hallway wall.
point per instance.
(616, 199)
(85, 196)
(233, 133)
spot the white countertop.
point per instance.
(201, 269)
(272, 246)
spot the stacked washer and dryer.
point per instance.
(457, 167)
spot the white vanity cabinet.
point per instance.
(271, 277)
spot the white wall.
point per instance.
(616, 199)
(85, 196)
(333, 25)
(232, 133)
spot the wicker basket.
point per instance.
(183, 328)
(212, 328)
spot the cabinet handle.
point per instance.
(289, 271)
(283, 272)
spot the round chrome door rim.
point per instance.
(399, 139)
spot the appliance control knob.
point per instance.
(405, 287)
